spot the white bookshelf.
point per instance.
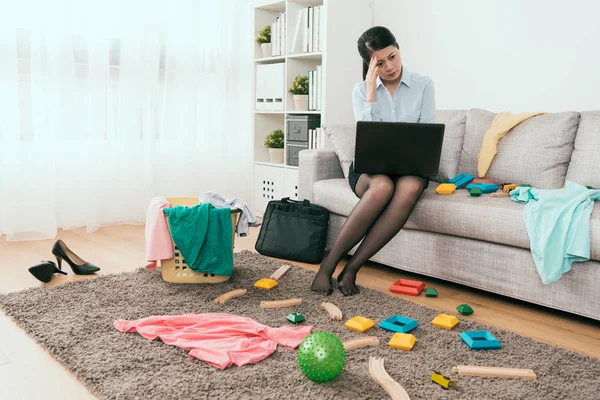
(274, 181)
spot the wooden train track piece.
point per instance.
(496, 372)
(334, 312)
(280, 303)
(361, 342)
(225, 297)
(380, 375)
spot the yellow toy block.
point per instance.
(445, 188)
(402, 341)
(265, 283)
(359, 324)
(445, 321)
(509, 187)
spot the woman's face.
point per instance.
(389, 63)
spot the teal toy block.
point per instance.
(398, 323)
(461, 180)
(485, 187)
(480, 340)
(431, 292)
(475, 192)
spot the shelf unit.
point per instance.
(350, 19)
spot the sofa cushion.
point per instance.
(454, 134)
(537, 151)
(584, 167)
(491, 219)
(343, 140)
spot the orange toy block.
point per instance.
(482, 181)
(403, 341)
(445, 321)
(359, 324)
(405, 286)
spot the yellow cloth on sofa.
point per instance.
(502, 123)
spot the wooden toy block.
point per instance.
(482, 181)
(495, 372)
(402, 341)
(500, 194)
(265, 283)
(359, 324)
(383, 379)
(280, 303)
(295, 318)
(431, 292)
(406, 286)
(461, 180)
(464, 309)
(445, 321)
(508, 187)
(480, 340)
(225, 297)
(445, 188)
(475, 192)
(442, 380)
(397, 323)
(361, 342)
(334, 312)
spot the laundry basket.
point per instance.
(175, 270)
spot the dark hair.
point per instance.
(373, 39)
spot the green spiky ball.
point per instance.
(321, 356)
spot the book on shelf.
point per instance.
(278, 29)
(316, 138)
(307, 31)
(315, 88)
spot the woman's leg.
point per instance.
(375, 193)
(406, 193)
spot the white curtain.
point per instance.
(106, 104)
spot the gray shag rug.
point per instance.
(74, 322)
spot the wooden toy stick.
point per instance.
(360, 342)
(500, 194)
(280, 272)
(334, 312)
(229, 295)
(474, 370)
(380, 375)
(280, 303)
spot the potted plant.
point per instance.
(274, 142)
(264, 39)
(299, 89)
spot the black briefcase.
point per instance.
(294, 230)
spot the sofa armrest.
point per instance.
(316, 165)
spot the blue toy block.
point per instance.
(398, 323)
(480, 340)
(461, 180)
(485, 187)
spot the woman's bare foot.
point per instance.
(322, 283)
(347, 282)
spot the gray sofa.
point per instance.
(480, 242)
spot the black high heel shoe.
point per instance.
(78, 265)
(44, 271)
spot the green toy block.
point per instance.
(525, 185)
(295, 318)
(475, 192)
(464, 309)
(431, 292)
(589, 187)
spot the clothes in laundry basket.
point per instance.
(203, 235)
(219, 339)
(247, 217)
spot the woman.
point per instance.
(389, 92)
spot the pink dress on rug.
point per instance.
(219, 339)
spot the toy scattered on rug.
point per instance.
(359, 324)
(280, 303)
(383, 379)
(295, 318)
(270, 282)
(334, 312)
(495, 372)
(398, 323)
(402, 341)
(225, 297)
(480, 340)
(321, 356)
(442, 380)
(360, 342)
(445, 321)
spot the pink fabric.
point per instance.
(158, 240)
(219, 339)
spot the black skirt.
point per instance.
(354, 176)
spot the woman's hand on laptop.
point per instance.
(371, 80)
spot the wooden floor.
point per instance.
(28, 372)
